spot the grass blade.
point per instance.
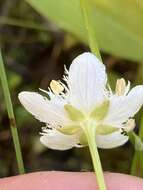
(11, 116)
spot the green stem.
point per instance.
(134, 164)
(89, 131)
(87, 17)
(135, 157)
(141, 153)
(138, 155)
(11, 116)
(137, 164)
(141, 163)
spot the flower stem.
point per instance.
(134, 164)
(137, 162)
(11, 116)
(135, 156)
(89, 131)
(87, 17)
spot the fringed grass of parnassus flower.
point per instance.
(86, 99)
(85, 111)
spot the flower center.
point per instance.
(95, 117)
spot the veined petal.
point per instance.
(56, 140)
(48, 111)
(121, 108)
(87, 80)
(112, 140)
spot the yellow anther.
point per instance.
(56, 87)
(130, 125)
(120, 87)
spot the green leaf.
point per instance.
(100, 111)
(73, 113)
(118, 24)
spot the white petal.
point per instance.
(48, 111)
(56, 140)
(123, 107)
(87, 80)
(112, 140)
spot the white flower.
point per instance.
(85, 97)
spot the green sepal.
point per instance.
(73, 113)
(99, 112)
(69, 130)
(83, 139)
(105, 129)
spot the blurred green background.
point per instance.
(35, 50)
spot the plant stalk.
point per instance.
(137, 161)
(89, 129)
(11, 116)
(90, 133)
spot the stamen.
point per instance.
(120, 87)
(56, 87)
(130, 125)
